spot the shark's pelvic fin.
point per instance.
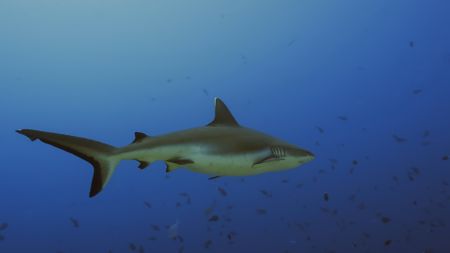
(143, 164)
(223, 116)
(99, 155)
(138, 137)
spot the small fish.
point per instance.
(320, 129)
(214, 218)
(385, 219)
(222, 191)
(417, 91)
(207, 244)
(444, 158)
(326, 197)
(173, 230)
(343, 118)
(387, 242)
(261, 211)
(155, 227)
(291, 42)
(355, 162)
(266, 193)
(141, 249)
(74, 222)
(399, 139)
(4, 226)
(132, 246)
(426, 133)
(147, 204)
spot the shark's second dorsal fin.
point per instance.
(138, 137)
(223, 116)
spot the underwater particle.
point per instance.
(326, 197)
(152, 238)
(147, 204)
(387, 242)
(2, 238)
(444, 158)
(285, 181)
(266, 193)
(343, 118)
(74, 222)
(205, 91)
(355, 162)
(399, 139)
(261, 211)
(207, 244)
(214, 218)
(411, 43)
(181, 249)
(426, 133)
(4, 226)
(385, 219)
(169, 80)
(417, 91)
(320, 129)
(141, 249)
(132, 246)
(222, 191)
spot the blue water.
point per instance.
(373, 75)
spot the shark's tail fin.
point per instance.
(99, 155)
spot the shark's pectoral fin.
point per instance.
(176, 162)
(170, 167)
(214, 177)
(143, 164)
(180, 161)
(138, 137)
(223, 116)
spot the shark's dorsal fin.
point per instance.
(223, 116)
(138, 137)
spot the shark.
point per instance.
(221, 148)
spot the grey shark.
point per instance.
(221, 148)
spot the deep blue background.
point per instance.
(104, 69)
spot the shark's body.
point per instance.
(222, 148)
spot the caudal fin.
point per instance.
(99, 155)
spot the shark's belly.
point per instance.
(223, 165)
